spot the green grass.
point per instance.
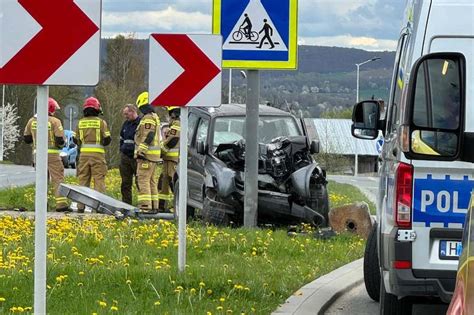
(343, 194)
(130, 267)
(134, 264)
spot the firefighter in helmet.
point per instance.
(170, 148)
(92, 135)
(148, 154)
(56, 142)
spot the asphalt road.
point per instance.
(357, 302)
(20, 175)
(367, 184)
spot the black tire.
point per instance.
(254, 36)
(237, 36)
(392, 305)
(190, 211)
(73, 165)
(319, 202)
(371, 266)
(214, 216)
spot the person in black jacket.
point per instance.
(128, 165)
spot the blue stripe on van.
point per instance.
(441, 200)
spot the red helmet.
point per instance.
(91, 102)
(52, 105)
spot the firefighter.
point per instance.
(92, 135)
(56, 142)
(170, 159)
(147, 154)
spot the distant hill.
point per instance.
(325, 79)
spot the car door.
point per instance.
(197, 160)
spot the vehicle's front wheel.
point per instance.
(371, 266)
(319, 202)
(212, 215)
(392, 305)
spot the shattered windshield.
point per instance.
(231, 129)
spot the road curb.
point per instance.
(316, 297)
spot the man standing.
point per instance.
(128, 165)
(55, 144)
(93, 135)
(148, 154)
(268, 31)
(170, 158)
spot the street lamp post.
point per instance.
(356, 163)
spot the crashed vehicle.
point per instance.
(292, 187)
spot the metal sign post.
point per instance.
(251, 149)
(2, 145)
(41, 199)
(184, 70)
(183, 190)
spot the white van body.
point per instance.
(441, 190)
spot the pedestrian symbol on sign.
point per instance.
(244, 37)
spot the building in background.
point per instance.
(338, 148)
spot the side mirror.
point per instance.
(314, 148)
(365, 120)
(201, 148)
(435, 106)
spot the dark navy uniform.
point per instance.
(128, 165)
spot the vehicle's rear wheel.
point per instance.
(190, 211)
(371, 266)
(392, 305)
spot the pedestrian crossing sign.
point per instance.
(257, 34)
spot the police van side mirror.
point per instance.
(365, 120)
(435, 108)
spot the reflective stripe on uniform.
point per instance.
(148, 121)
(144, 198)
(61, 199)
(165, 197)
(154, 198)
(172, 153)
(107, 134)
(129, 141)
(92, 148)
(89, 124)
(54, 151)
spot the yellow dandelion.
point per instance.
(114, 308)
(222, 300)
(102, 304)
(157, 303)
(2, 299)
(219, 308)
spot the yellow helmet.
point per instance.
(142, 99)
(170, 108)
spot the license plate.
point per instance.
(450, 249)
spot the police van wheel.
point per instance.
(392, 305)
(371, 266)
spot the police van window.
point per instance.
(398, 81)
(437, 96)
(202, 130)
(192, 122)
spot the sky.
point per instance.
(364, 24)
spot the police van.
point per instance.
(425, 176)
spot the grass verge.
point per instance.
(129, 267)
